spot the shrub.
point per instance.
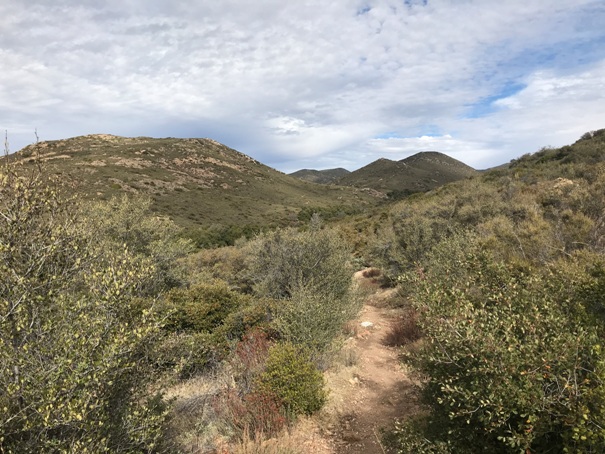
(308, 274)
(246, 407)
(312, 317)
(286, 258)
(74, 376)
(203, 307)
(404, 330)
(249, 359)
(295, 381)
(188, 354)
(409, 235)
(227, 264)
(257, 412)
(216, 236)
(253, 314)
(412, 436)
(513, 361)
(204, 322)
(129, 221)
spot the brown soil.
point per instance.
(366, 397)
(367, 391)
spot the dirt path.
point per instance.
(368, 396)
(367, 392)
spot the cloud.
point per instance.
(293, 83)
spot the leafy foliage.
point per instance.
(73, 369)
(292, 377)
(128, 220)
(285, 258)
(217, 235)
(312, 318)
(308, 273)
(513, 362)
(509, 298)
(203, 307)
(204, 321)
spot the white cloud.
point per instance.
(291, 81)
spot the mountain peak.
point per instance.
(420, 172)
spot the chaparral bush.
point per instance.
(293, 378)
(513, 354)
(309, 275)
(74, 374)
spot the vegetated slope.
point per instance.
(589, 149)
(193, 181)
(418, 173)
(483, 259)
(326, 176)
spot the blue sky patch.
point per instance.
(388, 135)
(364, 10)
(412, 3)
(486, 105)
(430, 131)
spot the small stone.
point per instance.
(367, 324)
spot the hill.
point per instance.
(418, 173)
(327, 176)
(193, 181)
(588, 149)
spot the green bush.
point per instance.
(308, 274)
(228, 264)
(291, 376)
(74, 374)
(203, 307)
(188, 354)
(513, 360)
(254, 313)
(312, 317)
(285, 258)
(216, 235)
(129, 221)
(409, 233)
(413, 436)
(204, 322)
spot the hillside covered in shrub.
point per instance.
(118, 335)
(506, 274)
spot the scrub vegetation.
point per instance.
(118, 334)
(506, 275)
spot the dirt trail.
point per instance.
(368, 391)
(368, 396)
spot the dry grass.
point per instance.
(302, 438)
(404, 330)
(257, 444)
(195, 426)
(389, 298)
(347, 356)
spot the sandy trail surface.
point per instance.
(367, 396)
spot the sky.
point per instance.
(308, 83)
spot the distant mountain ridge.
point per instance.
(418, 173)
(326, 176)
(193, 181)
